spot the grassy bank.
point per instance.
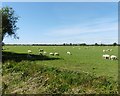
(26, 77)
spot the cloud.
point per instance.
(102, 29)
(98, 26)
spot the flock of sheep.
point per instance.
(107, 56)
(42, 52)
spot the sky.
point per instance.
(65, 22)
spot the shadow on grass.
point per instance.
(18, 57)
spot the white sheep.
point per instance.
(113, 57)
(69, 53)
(104, 50)
(106, 56)
(110, 49)
(44, 52)
(57, 54)
(52, 54)
(40, 53)
(29, 51)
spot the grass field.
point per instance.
(84, 59)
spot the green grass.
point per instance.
(83, 65)
(81, 59)
(31, 78)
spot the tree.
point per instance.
(96, 44)
(115, 44)
(70, 44)
(9, 20)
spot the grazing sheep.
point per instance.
(57, 54)
(113, 57)
(110, 49)
(104, 50)
(40, 53)
(52, 54)
(44, 52)
(106, 56)
(69, 53)
(29, 51)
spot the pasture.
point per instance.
(83, 59)
(86, 59)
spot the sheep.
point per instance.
(40, 53)
(106, 56)
(104, 50)
(52, 54)
(113, 57)
(69, 53)
(57, 54)
(29, 51)
(107, 50)
(44, 52)
(110, 49)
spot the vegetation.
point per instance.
(83, 72)
(31, 78)
(9, 20)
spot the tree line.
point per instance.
(64, 44)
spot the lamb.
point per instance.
(69, 53)
(52, 54)
(110, 49)
(57, 54)
(40, 53)
(113, 57)
(44, 52)
(29, 51)
(104, 50)
(106, 56)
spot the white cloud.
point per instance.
(104, 30)
(98, 26)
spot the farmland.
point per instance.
(85, 60)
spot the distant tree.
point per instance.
(70, 44)
(83, 44)
(9, 20)
(96, 44)
(115, 44)
(64, 44)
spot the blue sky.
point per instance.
(51, 22)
